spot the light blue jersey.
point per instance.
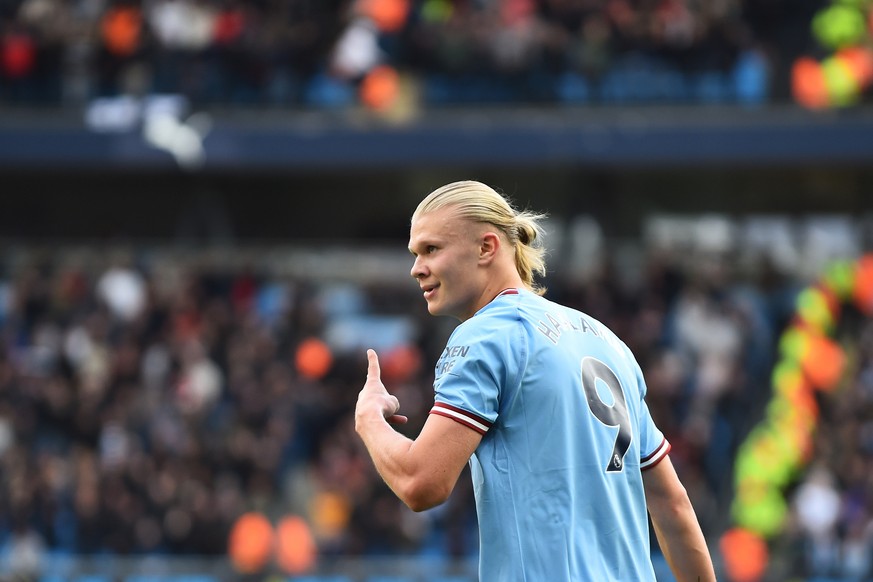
(557, 476)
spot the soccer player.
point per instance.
(544, 402)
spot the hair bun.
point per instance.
(523, 234)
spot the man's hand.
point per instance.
(374, 400)
(422, 472)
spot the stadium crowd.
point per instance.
(320, 53)
(149, 399)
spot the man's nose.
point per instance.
(418, 270)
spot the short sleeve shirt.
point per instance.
(559, 400)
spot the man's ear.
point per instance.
(489, 244)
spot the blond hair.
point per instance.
(478, 202)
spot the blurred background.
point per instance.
(204, 207)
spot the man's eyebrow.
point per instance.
(421, 243)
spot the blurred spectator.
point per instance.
(315, 53)
(124, 292)
(818, 510)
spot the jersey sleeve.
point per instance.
(653, 445)
(480, 360)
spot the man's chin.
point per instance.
(435, 309)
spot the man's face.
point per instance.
(446, 250)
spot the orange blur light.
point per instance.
(251, 543)
(380, 88)
(745, 555)
(808, 84)
(296, 550)
(313, 358)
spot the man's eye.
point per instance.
(431, 248)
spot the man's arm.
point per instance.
(676, 525)
(423, 472)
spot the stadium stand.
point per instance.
(319, 53)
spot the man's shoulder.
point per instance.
(483, 329)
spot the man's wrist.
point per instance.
(368, 417)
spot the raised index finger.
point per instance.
(373, 371)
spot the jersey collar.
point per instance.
(509, 291)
